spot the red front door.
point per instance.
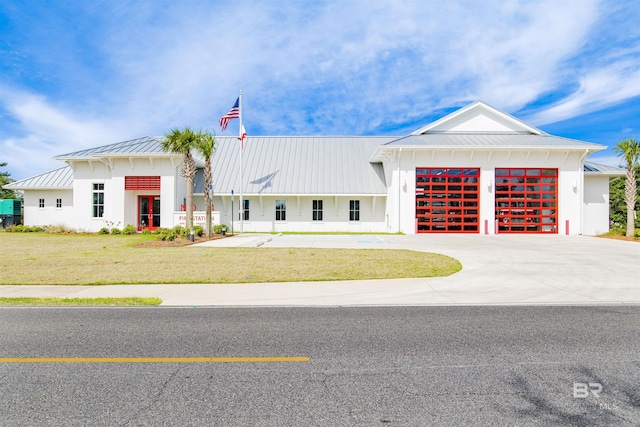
(148, 212)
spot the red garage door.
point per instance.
(526, 200)
(447, 200)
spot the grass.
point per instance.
(620, 234)
(91, 259)
(93, 302)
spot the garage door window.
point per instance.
(447, 200)
(526, 200)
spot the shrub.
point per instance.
(116, 230)
(198, 230)
(618, 229)
(129, 229)
(146, 231)
(103, 230)
(218, 228)
(184, 233)
(166, 234)
(25, 229)
(58, 229)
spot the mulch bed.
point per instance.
(179, 242)
(615, 237)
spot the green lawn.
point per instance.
(133, 301)
(91, 259)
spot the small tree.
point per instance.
(206, 146)
(618, 203)
(629, 149)
(5, 178)
(182, 141)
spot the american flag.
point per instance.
(234, 113)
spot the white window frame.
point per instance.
(246, 209)
(354, 210)
(281, 210)
(97, 190)
(316, 207)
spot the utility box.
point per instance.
(10, 212)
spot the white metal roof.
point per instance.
(478, 141)
(147, 145)
(299, 165)
(61, 178)
(502, 140)
(592, 168)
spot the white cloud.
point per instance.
(329, 67)
(599, 88)
(46, 130)
(360, 62)
(606, 158)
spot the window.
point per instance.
(98, 200)
(58, 203)
(246, 209)
(281, 210)
(354, 210)
(317, 210)
(41, 203)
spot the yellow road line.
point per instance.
(152, 359)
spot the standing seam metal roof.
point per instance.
(480, 140)
(139, 146)
(597, 168)
(299, 165)
(58, 178)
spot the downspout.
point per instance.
(581, 166)
(399, 191)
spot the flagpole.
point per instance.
(241, 153)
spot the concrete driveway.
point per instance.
(504, 269)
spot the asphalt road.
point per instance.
(387, 366)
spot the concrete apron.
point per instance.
(503, 269)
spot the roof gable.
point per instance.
(478, 118)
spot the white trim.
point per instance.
(475, 106)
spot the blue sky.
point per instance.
(78, 74)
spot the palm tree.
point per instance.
(182, 141)
(630, 150)
(206, 145)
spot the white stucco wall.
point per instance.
(299, 213)
(50, 214)
(120, 205)
(596, 204)
(582, 201)
(401, 182)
